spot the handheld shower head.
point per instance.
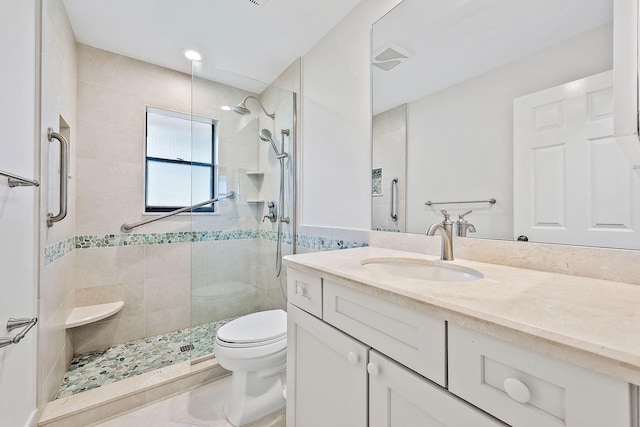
(243, 110)
(266, 136)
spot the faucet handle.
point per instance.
(445, 214)
(461, 215)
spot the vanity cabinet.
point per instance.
(326, 374)
(356, 359)
(398, 397)
(528, 389)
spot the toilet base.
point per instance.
(253, 396)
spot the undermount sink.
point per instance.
(422, 269)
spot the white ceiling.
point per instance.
(235, 37)
(454, 40)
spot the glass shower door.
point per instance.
(232, 250)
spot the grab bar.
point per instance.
(18, 181)
(394, 199)
(18, 323)
(126, 228)
(490, 201)
(64, 176)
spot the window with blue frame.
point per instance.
(179, 161)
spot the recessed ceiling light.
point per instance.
(192, 55)
(225, 108)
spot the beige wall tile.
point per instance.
(114, 180)
(53, 351)
(166, 293)
(176, 89)
(131, 293)
(164, 321)
(106, 105)
(99, 215)
(57, 283)
(167, 260)
(101, 266)
(103, 334)
(114, 143)
(104, 68)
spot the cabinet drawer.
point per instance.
(528, 389)
(412, 337)
(305, 291)
(399, 397)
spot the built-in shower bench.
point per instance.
(92, 313)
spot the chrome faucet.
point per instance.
(463, 225)
(446, 231)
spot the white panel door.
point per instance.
(399, 397)
(17, 208)
(572, 183)
(326, 374)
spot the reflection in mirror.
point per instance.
(501, 100)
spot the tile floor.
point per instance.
(198, 407)
(97, 368)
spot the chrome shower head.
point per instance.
(243, 110)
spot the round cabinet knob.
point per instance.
(373, 369)
(354, 358)
(517, 390)
(301, 291)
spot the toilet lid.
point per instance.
(255, 328)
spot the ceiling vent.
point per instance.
(258, 2)
(389, 56)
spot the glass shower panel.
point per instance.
(232, 251)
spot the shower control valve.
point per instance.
(273, 212)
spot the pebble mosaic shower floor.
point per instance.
(97, 368)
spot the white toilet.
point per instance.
(254, 349)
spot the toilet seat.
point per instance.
(254, 330)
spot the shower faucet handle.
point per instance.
(269, 216)
(273, 212)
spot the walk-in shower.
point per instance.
(180, 274)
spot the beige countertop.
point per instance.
(589, 322)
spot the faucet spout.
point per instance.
(446, 253)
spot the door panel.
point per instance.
(572, 182)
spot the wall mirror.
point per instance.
(506, 101)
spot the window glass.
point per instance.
(179, 160)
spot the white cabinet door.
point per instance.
(326, 374)
(399, 397)
(572, 182)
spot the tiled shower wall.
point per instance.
(56, 290)
(154, 280)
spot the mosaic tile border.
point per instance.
(319, 243)
(111, 240)
(58, 250)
